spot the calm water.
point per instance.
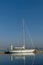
(35, 59)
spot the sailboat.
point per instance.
(22, 49)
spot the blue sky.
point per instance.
(11, 14)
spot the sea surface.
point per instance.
(31, 59)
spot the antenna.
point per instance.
(23, 34)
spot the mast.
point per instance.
(23, 34)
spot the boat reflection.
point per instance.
(20, 55)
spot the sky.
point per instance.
(12, 13)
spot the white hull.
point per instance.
(23, 51)
(23, 54)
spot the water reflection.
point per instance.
(21, 59)
(23, 56)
